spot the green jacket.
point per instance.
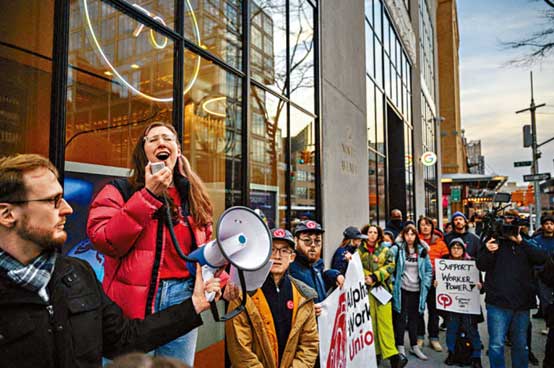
(379, 264)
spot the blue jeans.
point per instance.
(171, 292)
(500, 321)
(455, 321)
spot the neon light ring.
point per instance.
(154, 43)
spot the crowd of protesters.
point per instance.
(53, 308)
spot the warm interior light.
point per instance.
(211, 101)
(108, 73)
(135, 66)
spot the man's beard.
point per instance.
(40, 236)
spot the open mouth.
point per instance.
(162, 156)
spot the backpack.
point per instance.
(463, 348)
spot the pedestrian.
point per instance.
(447, 228)
(457, 321)
(378, 263)
(412, 280)
(143, 272)
(279, 327)
(308, 265)
(460, 230)
(53, 311)
(388, 237)
(395, 224)
(547, 276)
(352, 238)
(546, 241)
(437, 249)
(508, 263)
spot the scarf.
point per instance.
(34, 276)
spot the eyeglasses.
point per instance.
(309, 242)
(163, 137)
(57, 200)
(282, 251)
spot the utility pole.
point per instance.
(535, 167)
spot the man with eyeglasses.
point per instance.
(279, 329)
(53, 311)
(308, 265)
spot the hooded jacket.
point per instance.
(252, 340)
(437, 248)
(133, 240)
(313, 275)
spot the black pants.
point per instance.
(433, 322)
(549, 350)
(408, 317)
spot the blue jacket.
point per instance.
(545, 242)
(313, 275)
(425, 275)
(339, 263)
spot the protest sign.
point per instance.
(457, 289)
(345, 332)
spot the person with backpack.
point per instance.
(127, 222)
(411, 284)
(461, 353)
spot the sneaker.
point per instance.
(538, 314)
(533, 359)
(420, 342)
(401, 350)
(476, 363)
(545, 331)
(435, 345)
(398, 361)
(418, 353)
(450, 359)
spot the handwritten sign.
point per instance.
(457, 289)
(345, 331)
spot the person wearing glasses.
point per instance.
(308, 265)
(279, 327)
(128, 223)
(53, 311)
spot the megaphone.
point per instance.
(243, 240)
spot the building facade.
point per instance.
(475, 160)
(280, 105)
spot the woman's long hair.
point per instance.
(407, 229)
(428, 220)
(380, 233)
(200, 205)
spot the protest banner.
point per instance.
(345, 332)
(457, 289)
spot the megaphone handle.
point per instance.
(235, 312)
(207, 274)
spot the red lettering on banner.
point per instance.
(337, 350)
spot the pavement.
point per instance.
(437, 359)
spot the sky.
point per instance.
(492, 89)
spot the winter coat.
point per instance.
(509, 274)
(379, 264)
(313, 275)
(252, 339)
(131, 236)
(425, 272)
(472, 241)
(338, 262)
(437, 248)
(80, 325)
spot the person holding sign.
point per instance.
(509, 262)
(457, 321)
(411, 284)
(279, 327)
(352, 238)
(378, 262)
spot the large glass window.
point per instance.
(26, 64)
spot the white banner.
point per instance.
(345, 331)
(457, 289)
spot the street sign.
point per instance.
(522, 163)
(455, 194)
(537, 177)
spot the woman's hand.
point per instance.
(347, 256)
(231, 292)
(202, 287)
(159, 182)
(435, 283)
(369, 281)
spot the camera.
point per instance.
(498, 226)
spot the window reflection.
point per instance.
(26, 64)
(302, 132)
(372, 185)
(268, 156)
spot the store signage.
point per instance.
(523, 163)
(536, 177)
(455, 194)
(428, 158)
(96, 42)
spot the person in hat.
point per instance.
(546, 241)
(455, 321)
(308, 265)
(279, 328)
(460, 230)
(352, 238)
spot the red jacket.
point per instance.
(437, 248)
(133, 243)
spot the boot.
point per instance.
(436, 345)
(476, 363)
(398, 361)
(533, 359)
(418, 353)
(450, 359)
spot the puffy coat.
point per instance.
(80, 325)
(437, 248)
(254, 343)
(425, 272)
(379, 264)
(132, 237)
